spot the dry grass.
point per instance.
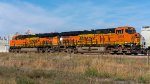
(79, 68)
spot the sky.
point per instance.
(45, 16)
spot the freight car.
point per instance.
(145, 37)
(121, 40)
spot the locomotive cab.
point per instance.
(127, 40)
(135, 36)
(127, 35)
(125, 30)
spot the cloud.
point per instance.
(91, 16)
(21, 16)
(27, 16)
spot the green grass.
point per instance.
(42, 76)
(24, 80)
(92, 72)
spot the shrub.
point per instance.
(57, 82)
(142, 79)
(104, 74)
(24, 80)
(42, 73)
(91, 72)
(120, 78)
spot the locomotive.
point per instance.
(120, 40)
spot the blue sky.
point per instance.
(41, 16)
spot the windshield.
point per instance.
(130, 31)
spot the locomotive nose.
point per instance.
(137, 38)
(137, 35)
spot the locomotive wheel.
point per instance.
(48, 50)
(135, 53)
(127, 53)
(69, 50)
(40, 50)
(75, 51)
(10, 50)
(15, 50)
(18, 50)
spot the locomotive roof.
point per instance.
(105, 31)
(74, 33)
(24, 36)
(38, 35)
(47, 34)
(70, 33)
(97, 31)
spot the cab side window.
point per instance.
(130, 31)
(119, 32)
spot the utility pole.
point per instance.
(148, 54)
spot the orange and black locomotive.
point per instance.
(121, 40)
